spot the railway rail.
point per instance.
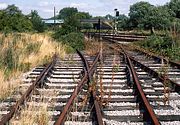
(115, 87)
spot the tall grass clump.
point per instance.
(19, 52)
(33, 114)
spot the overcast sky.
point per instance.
(94, 7)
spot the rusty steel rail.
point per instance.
(174, 86)
(96, 108)
(39, 81)
(120, 38)
(172, 63)
(84, 80)
(86, 66)
(149, 112)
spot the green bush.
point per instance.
(166, 46)
(158, 42)
(74, 40)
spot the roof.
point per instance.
(93, 20)
(51, 21)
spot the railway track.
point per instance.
(123, 38)
(115, 87)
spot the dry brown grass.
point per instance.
(92, 47)
(33, 114)
(8, 87)
(36, 113)
(26, 51)
(47, 49)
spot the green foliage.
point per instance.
(166, 46)
(86, 26)
(174, 5)
(138, 13)
(74, 40)
(71, 18)
(122, 22)
(156, 42)
(159, 18)
(109, 17)
(37, 23)
(177, 25)
(69, 32)
(83, 15)
(145, 16)
(71, 24)
(67, 12)
(12, 19)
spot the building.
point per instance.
(52, 22)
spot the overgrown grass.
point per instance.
(92, 46)
(166, 46)
(33, 115)
(20, 52)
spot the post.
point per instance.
(99, 23)
(54, 17)
(174, 29)
(113, 29)
(114, 26)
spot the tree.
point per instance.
(174, 5)
(72, 24)
(67, 12)
(38, 24)
(109, 17)
(71, 18)
(83, 15)
(12, 10)
(146, 16)
(122, 21)
(159, 18)
(12, 19)
(138, 13)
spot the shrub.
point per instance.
(166, 46)
(73, 40)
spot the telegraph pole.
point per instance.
(114, 26)
(54, 17)
(99, 23)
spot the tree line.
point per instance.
(142, 15)
(12, 19)
(145, 16)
